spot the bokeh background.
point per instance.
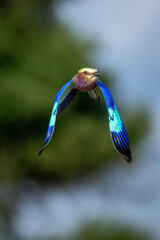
(80, 188)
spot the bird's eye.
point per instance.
(85, 72)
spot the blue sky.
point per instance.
(128, 37)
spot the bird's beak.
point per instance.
(97, 74)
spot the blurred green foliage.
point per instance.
(37, 56)
(98, 231)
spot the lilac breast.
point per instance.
(84, 85)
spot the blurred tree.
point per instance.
(98, 231)
(116, 231)
(37, 56)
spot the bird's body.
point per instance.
(86, 80)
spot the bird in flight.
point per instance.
(86, 80)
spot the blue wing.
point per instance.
(117, 129)
(63, 98)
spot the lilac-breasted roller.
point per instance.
(86, 80)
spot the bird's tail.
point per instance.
(95, 94)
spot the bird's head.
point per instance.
(89, 74)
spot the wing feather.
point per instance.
(118, 131)
(63, 98)
(68, 98)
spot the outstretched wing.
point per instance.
(117, 129)
(63, 98)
